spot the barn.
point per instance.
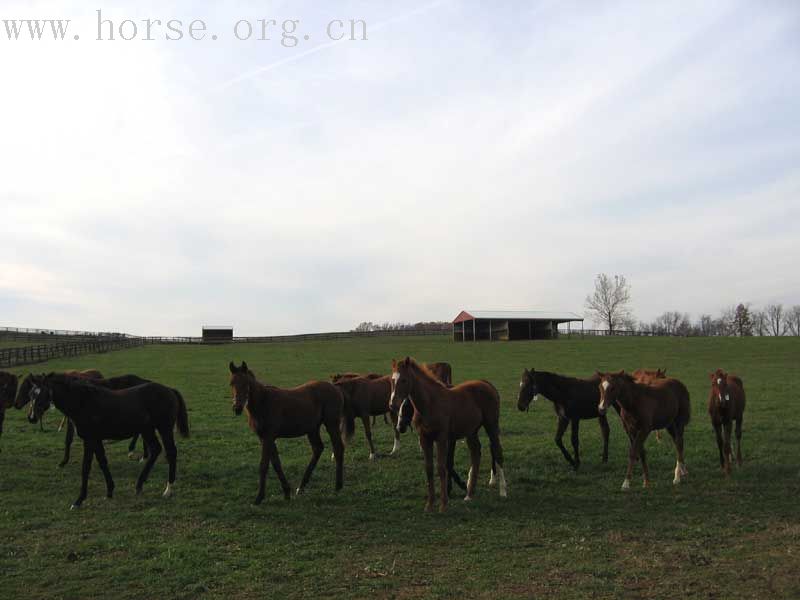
(215, 334)
(506, 325)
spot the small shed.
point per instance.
(507, 325)
(217, 334)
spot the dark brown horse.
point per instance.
(274, 413)
(662, 404)
(443, 415)
(23, 396)
(573, 400)
(726, 403)
(363, 398)
(647, 376)
(101, 414)
(8, 391)
(350, 375)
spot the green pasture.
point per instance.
(559, 534)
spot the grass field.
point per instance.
(558, 534)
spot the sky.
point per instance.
(464, 156)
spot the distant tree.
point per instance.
(760, 326)
(792, 320)
(365, 326)
(610, 302)
(742, 323)
(705, 325)
(775, 319)
(673, 323)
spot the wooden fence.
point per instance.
(27, 355)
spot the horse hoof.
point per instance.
(428, 508)
(258, 500)
(442, 509)
(626, 485)
(372, 456)
(467, 498)
(168, 491)
(75, 506)
(646, 484)
(138, 491)
(298, 491)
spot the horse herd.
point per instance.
(415, 395)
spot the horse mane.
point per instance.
(559, 381)
(426, 373)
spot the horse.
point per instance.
(442, 370)
(23, 396)
(726, 403)
(364, 397)
(350, 375)
(100, 414)
(120, 382)
(113, 383)
(274, 413)
(444, 415)
(8, 390)
(573, 400)
(662, 404)
(647, 376)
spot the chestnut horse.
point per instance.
(101, 414)
(274, 413)
(442, 370)
(573, 400)
(725, 405)
(662, 404)
(340, 376)
(363, 398)
(443, 415)
(8, 390)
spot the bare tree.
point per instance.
(775, 319)
(760, 326)
(792, 320)
(610, 302)
(673, 323)
(705, 325)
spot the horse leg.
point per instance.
(442, 450)
(151, 440)
(427, 451)
(68, 437)
(562, 427)
(493, 431)
(739, 441)
(720, 444)
(474, 445)
(575, 426)
(338, 451)
(263, 467)
(633, 455)
(645, 470)
(368, 434)
(275, 459)
(316, 451)
(452, 475)
(102, 461)
(132, 447)
(172, 458)
(396, 446)
(86, 467)
(727, 425)
(604, 430)
(676, 431)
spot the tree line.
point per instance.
(610, 304)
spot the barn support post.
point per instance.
(530, 331)
(490, 330)
(474, 331)
(581, 329)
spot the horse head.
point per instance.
(719, 386)
(528, 390)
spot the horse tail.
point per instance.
(348, 417)
(183, 418)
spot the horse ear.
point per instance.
(407, 361)
(394, 363)
(232, 367)
(244, 367)
(711, 376)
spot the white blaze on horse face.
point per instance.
(719, 381)
(395, 377)
(400, 413)
(605, 385)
